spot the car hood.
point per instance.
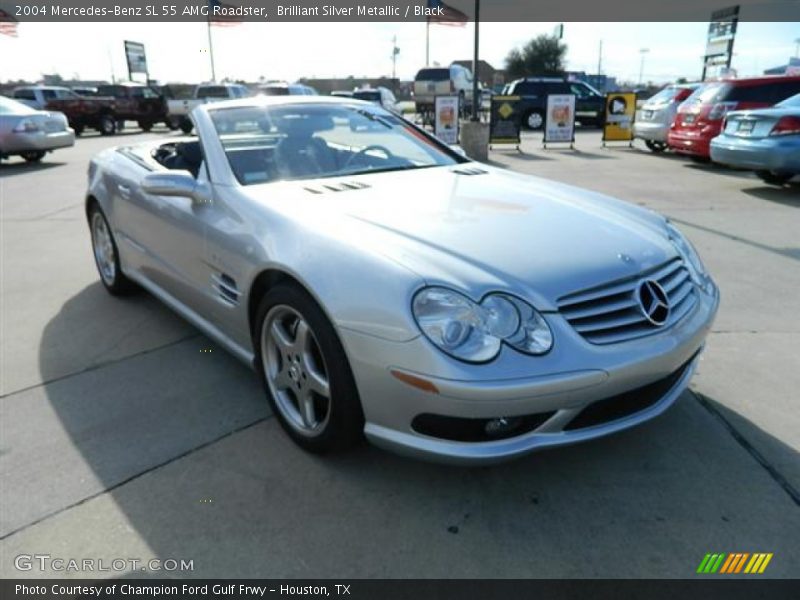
(481, 229)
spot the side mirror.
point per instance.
(458, 150)
(177, 184)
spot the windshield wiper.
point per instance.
(386, 169)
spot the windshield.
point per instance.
(706, 94)
(275, 90)
(664, 96)
(791, 102)
(433, 75)
(212, 91)
(370, 95)
(306, 141)
(12, 107)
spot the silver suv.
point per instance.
(430, 82)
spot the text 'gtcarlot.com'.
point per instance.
(45, 562)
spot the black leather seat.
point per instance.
(301, 153)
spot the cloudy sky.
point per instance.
(179, 51)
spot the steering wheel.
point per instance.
(361, 153)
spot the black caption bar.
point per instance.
(504, 589)
(392, 10)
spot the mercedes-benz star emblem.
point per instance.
(654, 302)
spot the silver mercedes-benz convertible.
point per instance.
(383, 285)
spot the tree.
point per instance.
(543, 55)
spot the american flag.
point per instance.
(221, 20)
(8, 24)
(450, 16)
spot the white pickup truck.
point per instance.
(179, 110)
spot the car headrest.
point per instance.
(304, 125)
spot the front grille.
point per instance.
(626, 404)
(53, 126)
(611, 312)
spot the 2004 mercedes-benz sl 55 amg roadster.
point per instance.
(383, 285)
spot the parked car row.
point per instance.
(729, 122)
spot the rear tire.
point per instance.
(33, 156)
(106, 255)
(656, 147)
(305, 372)
(107, 125)
(700, 160)
(774, 178)
(187, 126)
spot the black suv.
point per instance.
(589, 103)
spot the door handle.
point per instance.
(124, 190)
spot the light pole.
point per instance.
(642, 51)
(797, 47)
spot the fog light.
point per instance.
(502, 426)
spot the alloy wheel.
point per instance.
(295, 371)
(104, 253)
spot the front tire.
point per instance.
(187, 126)
(145, 126)
(305, 372)
(774, 178)
(106, 255)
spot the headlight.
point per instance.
(27, 126)
(475, 332)
(696, 268)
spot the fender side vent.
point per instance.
(226, 289)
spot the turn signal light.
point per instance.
(786, 126)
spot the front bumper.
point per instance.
(767, 154)
(39, 141)
(561, 386)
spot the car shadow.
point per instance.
(787, 194)
(20, 167)
(718, 169)
(180, 437)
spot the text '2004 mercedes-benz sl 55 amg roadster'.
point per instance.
(384, 286)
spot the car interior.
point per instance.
(187, 156)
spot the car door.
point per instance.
(168, 233)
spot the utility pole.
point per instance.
(797, 48)
(395, 50)
(211, 51)
(642, 51)
(475, 91)
(600, 59)
(427, 42)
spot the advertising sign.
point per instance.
(560, 119)
(720, 38)
(446, 122)
(137, 60)
(505, 120)
(620, 111)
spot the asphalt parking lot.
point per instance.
(127, 434)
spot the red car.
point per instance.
(700, 117)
